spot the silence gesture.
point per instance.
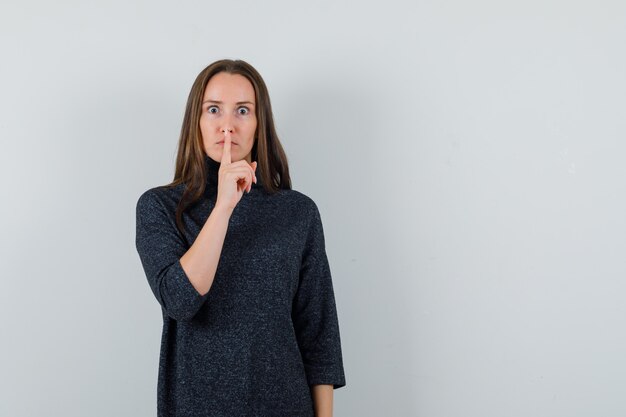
(234, 178)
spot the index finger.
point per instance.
(226, 151)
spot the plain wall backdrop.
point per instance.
(467, 159)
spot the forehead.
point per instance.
(229, 88)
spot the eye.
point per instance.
(245, 108)
(211, 107)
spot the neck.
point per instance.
(211, 168)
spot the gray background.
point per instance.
(466, 157)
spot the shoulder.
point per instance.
(299, 201)
(159, 198)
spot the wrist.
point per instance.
(222, 209)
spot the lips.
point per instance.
(222, 142)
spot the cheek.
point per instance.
(253, 127)
(205, 124)
(205, 130)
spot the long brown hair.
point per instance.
(271, 159)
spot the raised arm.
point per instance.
(180, 277)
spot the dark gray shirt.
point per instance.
(267, 329)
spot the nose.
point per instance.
(227, 123)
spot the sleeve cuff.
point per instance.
(326, 376)
(186, 300)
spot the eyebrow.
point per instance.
(221, 102)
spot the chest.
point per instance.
(261, 255)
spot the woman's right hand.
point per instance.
(234, 178)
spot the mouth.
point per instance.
(222, 143)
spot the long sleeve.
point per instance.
(160, 248)
(314, 312)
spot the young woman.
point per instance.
(236, 260)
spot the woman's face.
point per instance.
(228, 104)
